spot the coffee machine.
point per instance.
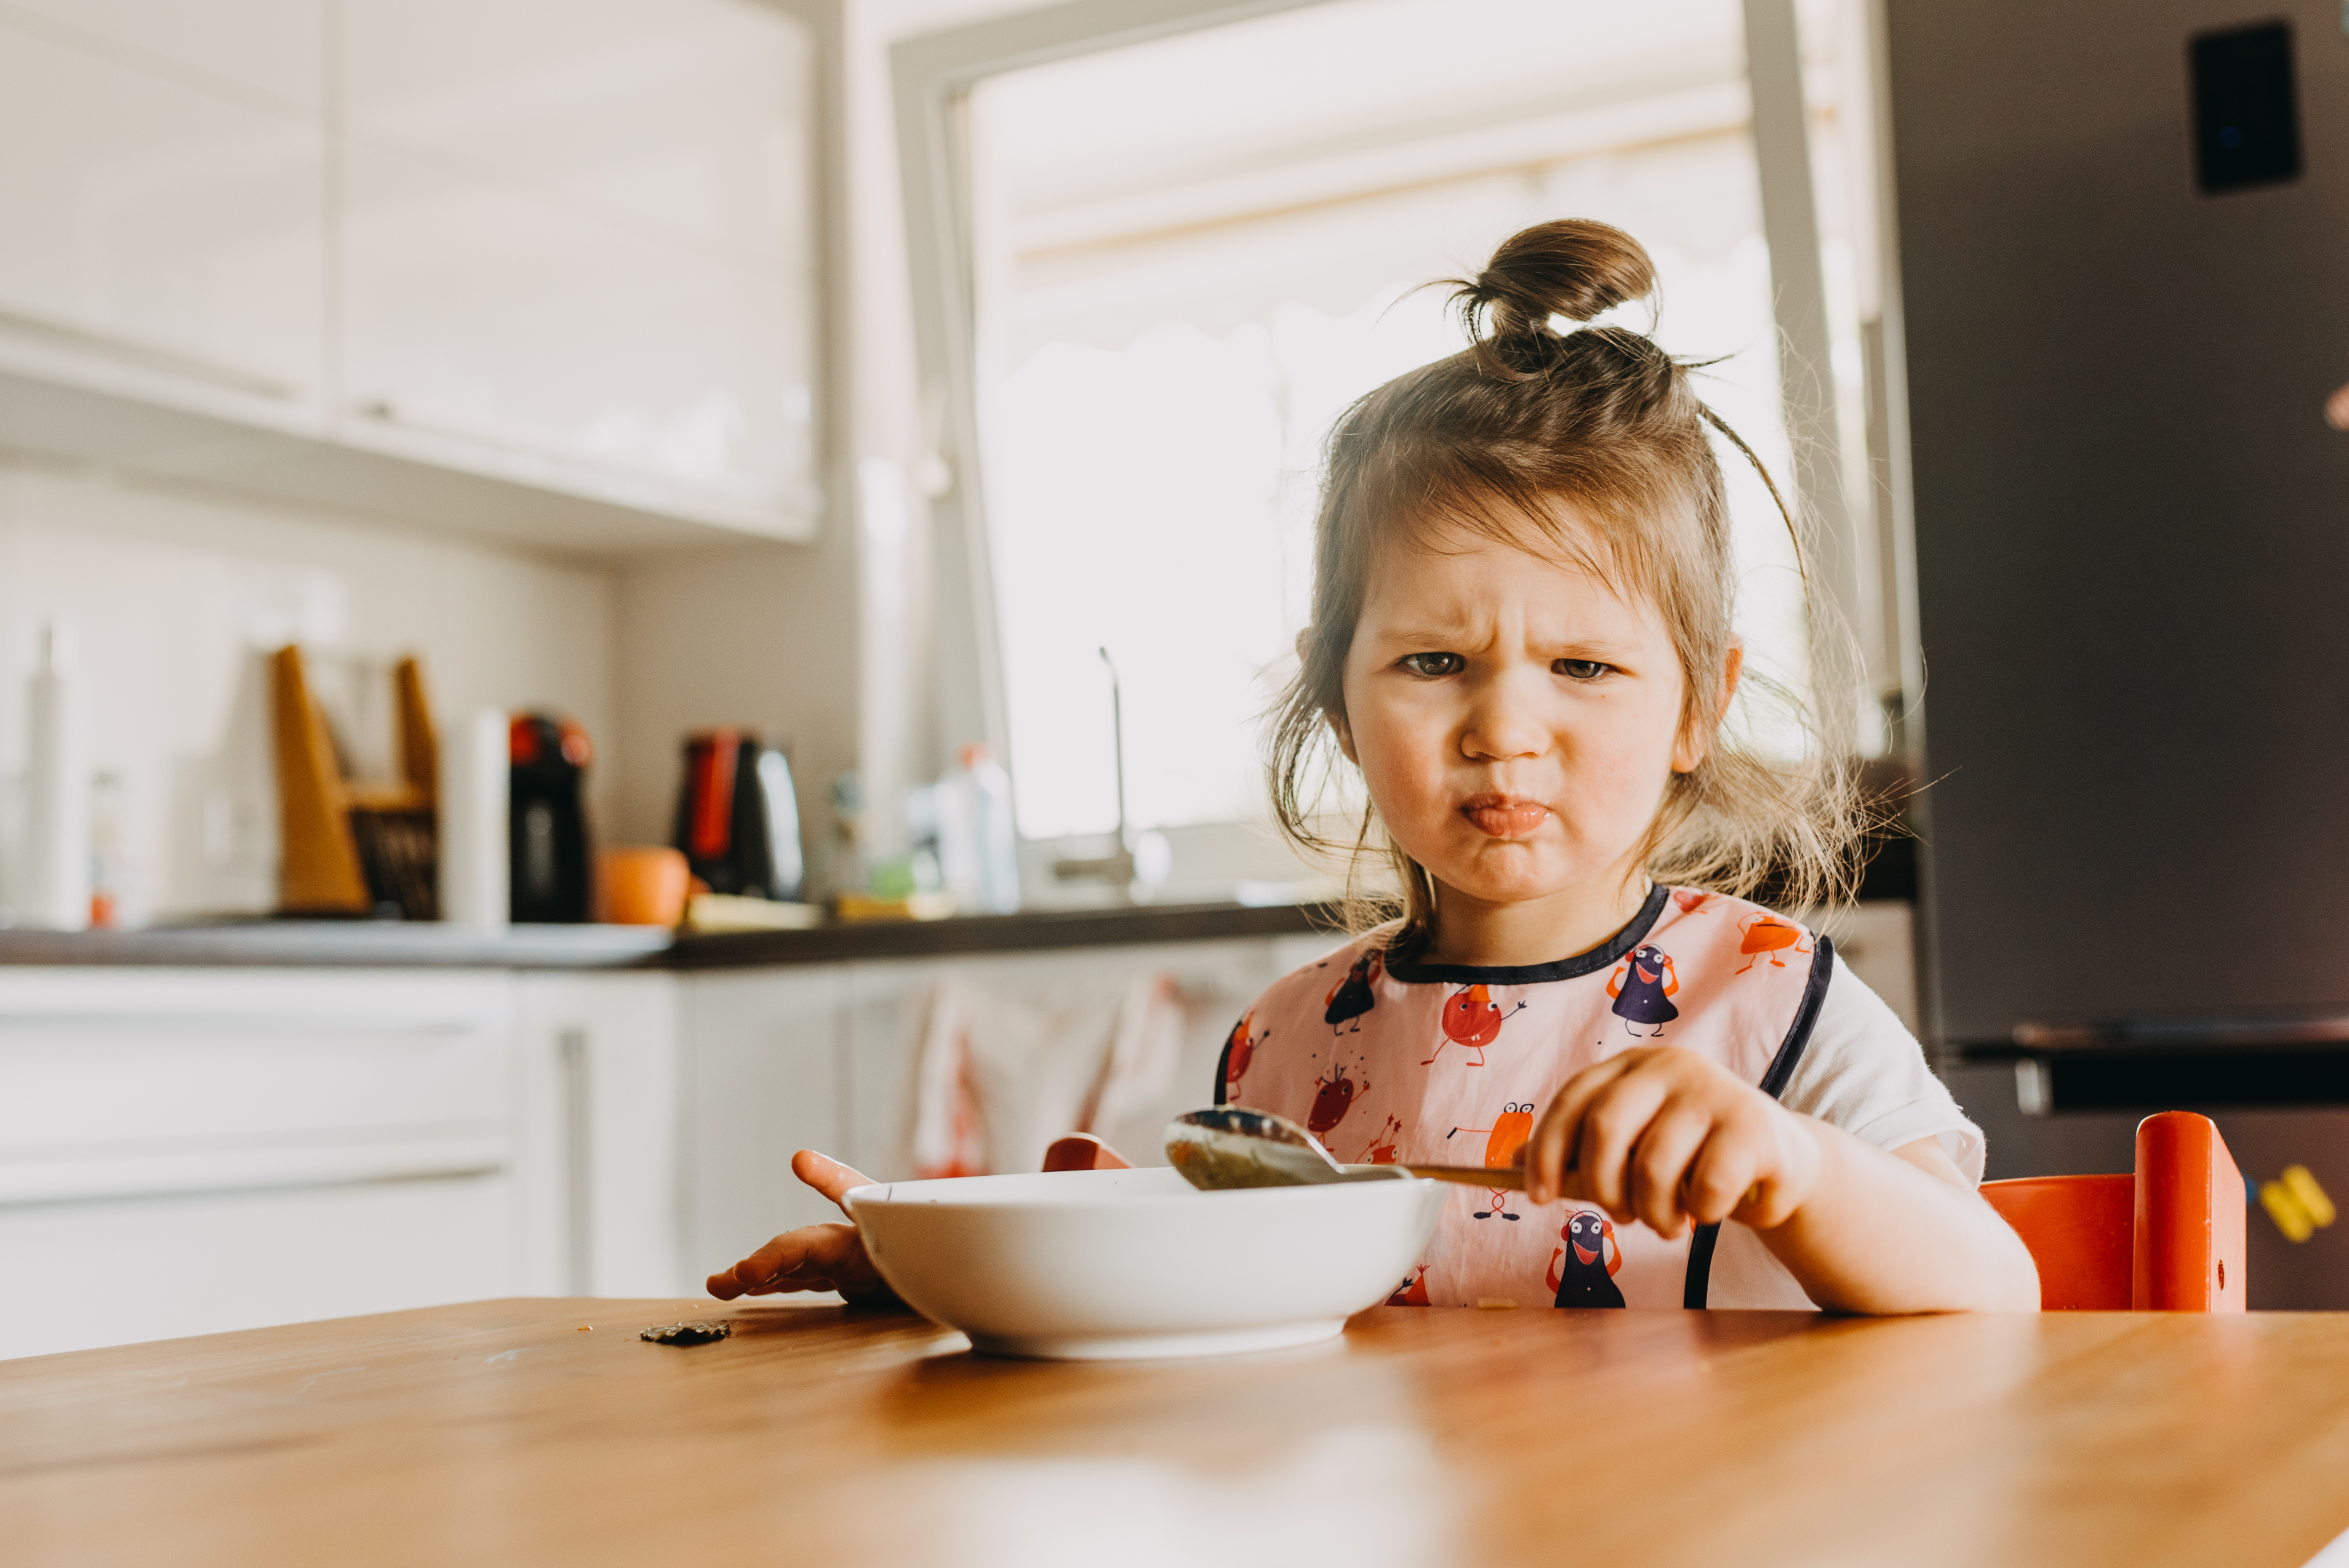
(547, 835)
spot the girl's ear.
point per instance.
(1694, 742)
(1344, 732)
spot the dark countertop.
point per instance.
(1027, 932)
(290, 944)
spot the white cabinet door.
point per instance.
(155, 1082)
(77, 1276)
(580, 229)
(159, 218)
(764, 1075)
(601, 1206)
(264, 51)
(185, 1151)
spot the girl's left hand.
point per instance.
(1665, 1137)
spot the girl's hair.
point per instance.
(1489, 442)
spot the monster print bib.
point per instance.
(1391, 1061)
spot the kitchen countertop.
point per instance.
(501, 1432)
(394, 945)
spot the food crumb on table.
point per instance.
(686, 1333)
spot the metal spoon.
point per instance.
(1228, 1146)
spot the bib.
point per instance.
(1437, 1064)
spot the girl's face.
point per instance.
(1516, 722)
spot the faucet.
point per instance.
(1117, 868)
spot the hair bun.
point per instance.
(1572, 267)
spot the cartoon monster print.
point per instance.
(1510, 1133)
(1411, 1292)
(1354, 996)
(1240, 1051)
(1381, 1148)
(1590, 1258)
(1643, 988)
(1497, 1201)
(1333, 1096)
(1472, 1020)
(1766, 936)
(1690, 903)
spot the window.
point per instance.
(1186, 256)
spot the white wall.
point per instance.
(177, 595)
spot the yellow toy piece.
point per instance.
(2298, 1205)
(2312, 1197)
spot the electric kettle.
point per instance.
(738, 820)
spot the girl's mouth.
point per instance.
(1505, 816)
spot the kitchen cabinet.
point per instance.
(158, 222)
(598, 1123)
(765, 1073)
(516, 319)
(186, 1152)
(538, 270)
(584, 234)
(682, 119)
(258, 50)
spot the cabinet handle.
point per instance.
(578, 1163)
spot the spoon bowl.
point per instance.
(1229, 1146)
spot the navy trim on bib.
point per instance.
(1222, 1066)
(1612, 950)
(1773, 1084)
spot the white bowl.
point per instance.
(1089, 1265)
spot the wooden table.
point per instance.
(500, 1432)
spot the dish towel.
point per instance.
(998, 1074)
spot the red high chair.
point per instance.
(2167, 1239)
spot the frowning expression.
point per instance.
(1515, 720)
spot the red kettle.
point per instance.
(738, 820)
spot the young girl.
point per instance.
(1521, 638)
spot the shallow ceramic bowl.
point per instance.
(1089, 1265)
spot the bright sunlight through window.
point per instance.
(1175, 306)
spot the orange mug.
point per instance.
(644, 886)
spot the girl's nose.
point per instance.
(1503, 722)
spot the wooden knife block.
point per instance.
(349, 848)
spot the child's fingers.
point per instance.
(1720, 1179)
(1660, 1164)
(1769, 1202)
(1612, 1126)
(1083, 1152)
(1550, 1151)
(810, 1251)
(827, 1175)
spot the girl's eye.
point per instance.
(1578, 669)
(1433, 665)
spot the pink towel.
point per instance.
(998, 1074)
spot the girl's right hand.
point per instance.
(813, 1257)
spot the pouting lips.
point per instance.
(1505, 816)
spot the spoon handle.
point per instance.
(1509, 1178)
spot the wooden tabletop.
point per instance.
(501, 1432)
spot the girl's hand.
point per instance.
(813, 1257)
(1663, 1136)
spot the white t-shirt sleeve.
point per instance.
(1864, 1072)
